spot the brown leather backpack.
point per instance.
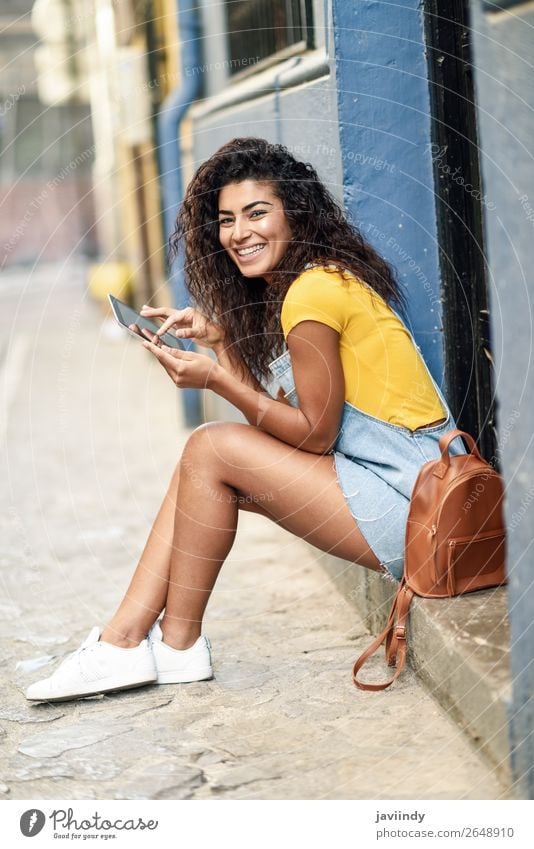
(455, 542)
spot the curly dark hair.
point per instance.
(248, 309)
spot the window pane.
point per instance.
(260, 28)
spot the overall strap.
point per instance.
(394, 635)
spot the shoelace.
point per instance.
(74, 658)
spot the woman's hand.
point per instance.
(189, 323)
(187, 369)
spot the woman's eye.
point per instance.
(258, 211)
(223, 221)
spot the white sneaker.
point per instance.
(96, 667)
(177, 666)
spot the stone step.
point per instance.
(459, 647)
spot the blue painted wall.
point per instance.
(384, 124)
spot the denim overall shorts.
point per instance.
(376, 464)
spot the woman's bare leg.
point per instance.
(299, 490)
(224, 467)
(146, 594)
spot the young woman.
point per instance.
(285, 289)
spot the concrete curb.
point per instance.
(458, 647)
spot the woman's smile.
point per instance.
(250, 252)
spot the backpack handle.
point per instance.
(444, 443)
(394, 635)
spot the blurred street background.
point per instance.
(418, 117)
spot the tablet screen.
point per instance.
(125, 315)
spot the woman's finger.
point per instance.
(143, 332)
(168, 362)
(167, 325)
(199, 328)
(186, 333)
(156, 311)
(178, 316)
(152, 337)
(164, 353)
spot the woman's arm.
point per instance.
(320, 385)
(319, 381)
(241, 373)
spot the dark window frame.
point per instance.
(258, 55)
(466, 325)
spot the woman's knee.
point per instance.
(213, 441)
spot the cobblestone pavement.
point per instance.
(90, 433)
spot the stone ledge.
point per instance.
(458, 646)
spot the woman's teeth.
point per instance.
(255, 249)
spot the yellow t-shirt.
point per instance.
(385, 376)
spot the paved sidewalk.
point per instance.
(89, 435)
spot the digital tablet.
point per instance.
(126, 316)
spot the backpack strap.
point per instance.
(394, 635)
